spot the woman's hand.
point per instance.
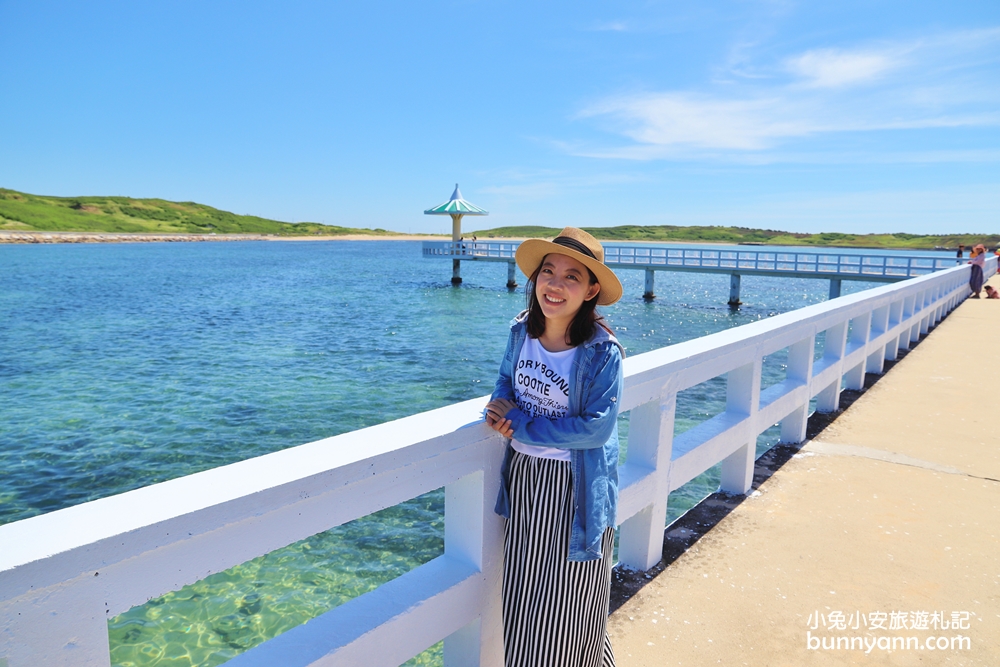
(496, 411)
(499, 407)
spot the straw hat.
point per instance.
(582, 247)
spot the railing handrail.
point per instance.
(63, 573)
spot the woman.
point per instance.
(557, 398)
(977, 258)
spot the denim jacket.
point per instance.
(589, 431)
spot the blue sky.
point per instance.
(843, 116)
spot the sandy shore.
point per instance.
(9, 236)
(109, 237)
(362, 237)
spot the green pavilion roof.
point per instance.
(456, 206)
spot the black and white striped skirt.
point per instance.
(555, 612)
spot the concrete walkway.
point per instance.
(895, 507)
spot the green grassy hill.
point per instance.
(747, 235)
(23, 212)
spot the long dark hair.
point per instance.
(580, 329)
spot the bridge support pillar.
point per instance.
(511, 275)
(834, 288)
(456, 237)
(734, 290)
(650, 285)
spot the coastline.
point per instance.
(35, 237)
(29, 237)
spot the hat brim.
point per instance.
(530, 254)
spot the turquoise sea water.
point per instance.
(122, 365)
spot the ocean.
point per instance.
(123, 365)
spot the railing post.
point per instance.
(62, 626)
(828, 399)
(939, 308)
(854, 378)
(742, 398)
(925, 319)
(905, 334)
(800, 362)
(650, 441)
(880, 323)
(473, 533)
(895, 317)
(918, 306)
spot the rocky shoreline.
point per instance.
(105, 237)
(7, 236)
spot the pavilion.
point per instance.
(456, 207)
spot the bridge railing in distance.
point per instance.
(495, 250)
(64, 574)
(818, 264)
(823, 264)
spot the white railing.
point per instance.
(761, 262)
(63, 574)
(489, 250)
(823, 265)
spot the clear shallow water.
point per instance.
(123, 365)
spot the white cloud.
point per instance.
(611, 26)
(831, 68)
(940, 81)
(957, 209)
(681, 119)
(545, 184)
(538, 190)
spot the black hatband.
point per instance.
(573, 244)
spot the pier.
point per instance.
(835, 267)
(63, 574)
(889, 513)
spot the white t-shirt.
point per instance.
(541, 390)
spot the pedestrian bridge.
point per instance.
(874, 542)
(65, 573)
(832, 266)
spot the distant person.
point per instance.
(960, 254)
(991, 293)
(557, 398)
(977, 258)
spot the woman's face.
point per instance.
(562, 285)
